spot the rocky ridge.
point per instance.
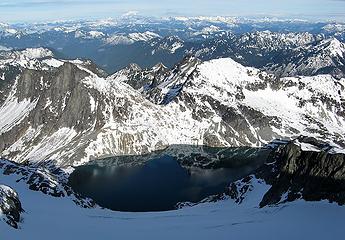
(48, 179)
(10, 206)
(321, 57)
(301, 169)
(69, 112)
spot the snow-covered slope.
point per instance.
(45, 215)
(218, 87)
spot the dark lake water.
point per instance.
(157, 185)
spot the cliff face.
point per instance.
(312, 174)
(302, 169)
(42, 102)
(61, 99)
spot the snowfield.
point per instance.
(52, 218)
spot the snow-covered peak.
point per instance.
(335, 47)
(130, 38)
(7, 30)
(144, 36)
(170, 43)
(159, 67)
(96, 34)
(35, 53)
(130, 13)
(337, 27)
(213, 19)
(118, 40)
(107, 22)
(30, 58)
(3, 48)
(123, 74)
(223, 70)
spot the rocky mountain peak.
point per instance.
(134, 67)
(165, 91)
(335, 47)
(33, 53)
(159, 67)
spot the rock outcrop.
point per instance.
(301, 169)
(10, 206)
(48, 179)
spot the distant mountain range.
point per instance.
(115, 43)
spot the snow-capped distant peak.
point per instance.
(36, 53)
(216, 19)
(96, 34)
(144, 36)
(118, 39)
(170, 43)
(29, 58)
(208, 30)
(3, 48)
(131, 38)
(334, 27)
(3, 25)
(335, 47)
(159, 66)
(130, 13)
(182, 19)
(11, 31)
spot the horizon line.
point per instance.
(311, 18)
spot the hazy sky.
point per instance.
(43, 10)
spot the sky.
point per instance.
(49, 10)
